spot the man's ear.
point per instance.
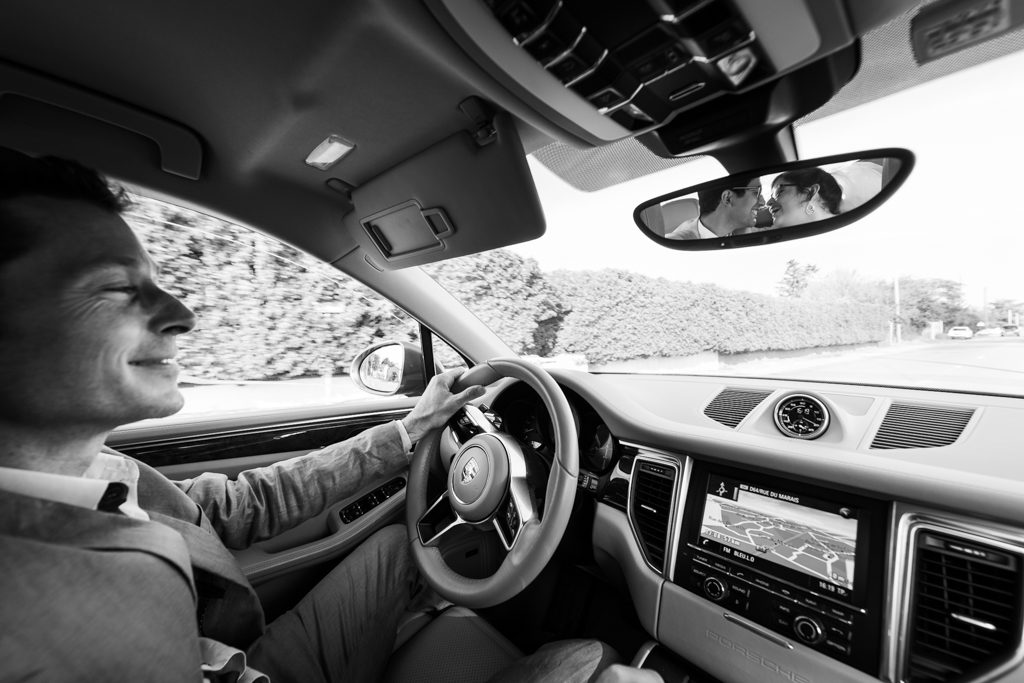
(727, 197)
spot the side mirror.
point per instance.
(775, 204)
(390, 368)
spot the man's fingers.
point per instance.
(448, 377)
(467, 395)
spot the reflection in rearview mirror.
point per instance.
(788, 197)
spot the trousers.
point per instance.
(344, 629)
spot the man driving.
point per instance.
(112, 571)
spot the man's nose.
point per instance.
(170, 316)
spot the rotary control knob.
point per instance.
(715, 588)
(808, 630)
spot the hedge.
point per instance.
(267, 311)
(620, 315)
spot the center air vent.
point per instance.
(911, 426)
(651, 496)
(965, 609)
(732, 405)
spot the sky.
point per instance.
(959, 215)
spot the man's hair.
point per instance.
(24, 176)
(710, 199)
(805, 178)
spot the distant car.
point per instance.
(1011, 331)
(990, 332)
(959, 333)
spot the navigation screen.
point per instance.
(809, 536)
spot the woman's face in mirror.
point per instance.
(789, 206)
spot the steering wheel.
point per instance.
(487, 489)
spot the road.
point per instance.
(987, 364)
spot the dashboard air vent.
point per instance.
(616, 494)
(651, 508)
(732, 405)
(965, 616)
(910, 426)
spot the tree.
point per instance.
(796, 278)
(509, 293)
(923, 300)
(1005, 311)
(848, 285)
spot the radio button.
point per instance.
(720, 566)
(783, 623)
(699, 571)
(840, 648)
(763, 583)
(808, 630)
(741, 589)
(840, 614)
(839, 634)
(784, 608)
(715, 589)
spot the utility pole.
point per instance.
(896, 298)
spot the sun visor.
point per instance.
(466, 194)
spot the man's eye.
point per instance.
(123, 289)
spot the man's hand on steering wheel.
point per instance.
(487, 487)
(437, 404)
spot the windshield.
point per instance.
(924, 292)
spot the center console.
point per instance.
(805, 562)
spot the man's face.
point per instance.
(87, 338)
(744, 206)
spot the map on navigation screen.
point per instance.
(775, 527)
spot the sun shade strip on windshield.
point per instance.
(732, 405)
(910, 426)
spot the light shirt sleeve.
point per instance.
(404, 434)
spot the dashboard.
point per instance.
(773, 529)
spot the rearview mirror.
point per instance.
(775, 204)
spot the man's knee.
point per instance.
(565, 660)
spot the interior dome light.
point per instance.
(329, 152)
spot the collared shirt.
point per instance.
(703, 232)
(686, 230)
(84, 491)
(220, 662)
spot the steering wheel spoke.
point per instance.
(437, 522)
(517, 509)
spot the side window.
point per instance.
(276, 327)
(446, 356)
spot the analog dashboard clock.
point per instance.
(801, 416)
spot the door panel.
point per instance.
(282, 567)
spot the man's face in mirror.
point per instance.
(86, 335)
(744, 201)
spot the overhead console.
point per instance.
(686, 74)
